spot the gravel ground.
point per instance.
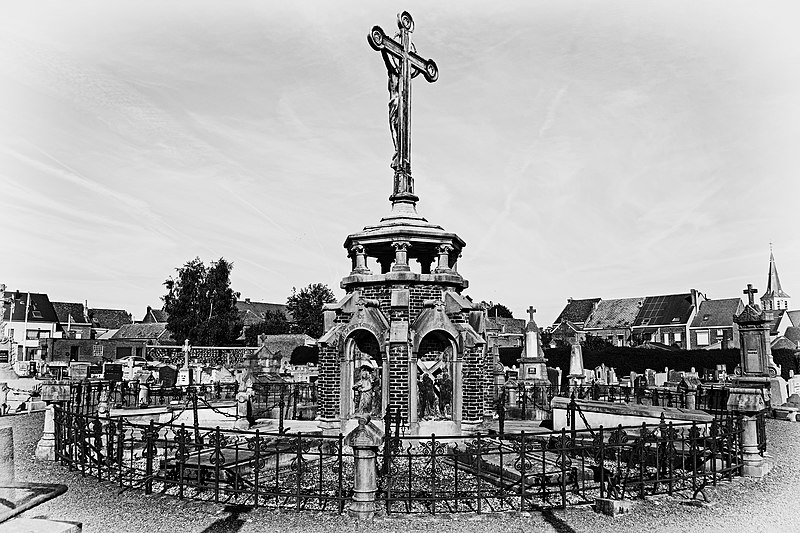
(744, 505)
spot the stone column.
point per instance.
(400, 256)
(359, 256)
(747, 402)
(444, 258)
(365, 440)
(691, 399)
(46, 447)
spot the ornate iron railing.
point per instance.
(530, 471)
(255, 468)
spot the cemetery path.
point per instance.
(743, 505)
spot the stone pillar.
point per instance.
(747, 402)
(365, 440)
(444, 258)
(242, 399)
(691, 399)
(400, 256)
(46, 447)
(576, 371)
(359, 259)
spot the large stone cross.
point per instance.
(402, 64)
(750, 291)
(531, 311)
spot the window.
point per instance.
(123, 351)
(678, 336)
(706, 317)
(720, 333)
(702, 338)
(645, 321)
(620, 340)
(36, 314)
(665, 338)
(97, 350)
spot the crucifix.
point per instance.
(531, 311)
(402, 64)
(750, 291)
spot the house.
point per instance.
(569, 324)
(505, 332)
(28, 317)
(141, 335)
(74, 319)
(713, 326)
(253, 313)
(155, 316)
(106, 320)
(613, 320)
(666, 318)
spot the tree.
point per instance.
(201, 304)
(497, 310)
(275, 323)
(306, 308)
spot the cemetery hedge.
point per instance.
(625, 360)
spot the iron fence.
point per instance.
(297, 471)
(534, 471)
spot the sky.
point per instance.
(582, 149)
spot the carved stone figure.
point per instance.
(363, 392)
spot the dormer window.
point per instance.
(706, 317)
(36, 314)
(676, 319)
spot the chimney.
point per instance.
(247, 300)
(695, 303)
(569, 300)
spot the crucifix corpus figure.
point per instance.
(402, 64)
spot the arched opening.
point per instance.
(363, 376)
(438, 378)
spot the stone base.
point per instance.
(39, 525)
(758, 466)
(46, 449)
(611, 507)
(241, 424)
(329, 426)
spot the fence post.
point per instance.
(365, 440)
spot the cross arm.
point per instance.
(380, 42)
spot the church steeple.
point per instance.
(774, 297)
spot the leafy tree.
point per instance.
(275, 323)
(201, 304)
(306, 308)
(497, 310)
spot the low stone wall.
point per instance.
(607, 414)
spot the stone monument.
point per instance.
(750, 387)
(577, 373)
(404, 336)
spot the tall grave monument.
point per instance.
(404, 337)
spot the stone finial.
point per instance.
(365, 435)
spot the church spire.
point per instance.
(774, 297)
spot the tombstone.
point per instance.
(112, 372)
(660, 379)
(650, 377)
(167, 376)
(778, 391)
(793, 385)
(78, 371)
(576, 370)
(554, 376)
(612, 377)
(588, 376)
(601, 374)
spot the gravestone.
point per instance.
(168, 376)
(650, 377)
(660, 378)
(112, 372)
(793, 385)
(78, 371)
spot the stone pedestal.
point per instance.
(242, 398)
(46, 447)
(749, 402)
(365, 440)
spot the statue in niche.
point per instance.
(428, 399)
(445, 385)
(363, 390)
